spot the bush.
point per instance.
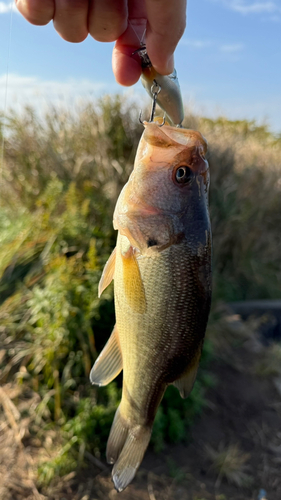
(61, 180)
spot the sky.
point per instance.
(228, 62)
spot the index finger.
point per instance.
(165, 27)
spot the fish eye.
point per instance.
(183, 174)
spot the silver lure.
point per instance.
(169, 97)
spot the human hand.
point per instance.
(124, 21)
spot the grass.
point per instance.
(61, 178)
(229, 462)
(269, 363)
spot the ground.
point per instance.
(232, 453)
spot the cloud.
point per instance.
(32, 91)
(254, 7)
(264, 110)
(275, 18)
(196, 44)
(33, 83)
(227, 48)
(234, 47)
(6, 8)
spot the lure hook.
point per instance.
(160, 125)
(155, 89)
(170, 99)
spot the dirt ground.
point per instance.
(233, 452)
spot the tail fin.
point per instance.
(126, 447)
(117, 437)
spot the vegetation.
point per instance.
(60, 181)
(269, 364)
(229, 462)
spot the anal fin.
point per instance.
(108, 273)
(186, 382)
(109, 363)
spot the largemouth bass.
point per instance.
(162, 286)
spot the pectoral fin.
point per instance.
(186, 382)
(108, 272)
(133, 285)
(109, 363)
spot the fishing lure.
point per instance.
(166, 87)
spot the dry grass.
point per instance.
(269, 363)
(18, 469)
(229, 462)
(227, 331)
(60, 182)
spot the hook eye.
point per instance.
(155, 88)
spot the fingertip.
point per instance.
(73, 36)
(165, 27)
(162, 57)
(36, 12)
(164, 64)
(127, 70)
(107, 35)
(107, 19)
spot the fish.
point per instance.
(161, 267)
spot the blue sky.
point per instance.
(228, 62)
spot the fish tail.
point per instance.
(125, 448)
(117, 437)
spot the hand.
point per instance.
(121, 20)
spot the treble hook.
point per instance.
(155, 89)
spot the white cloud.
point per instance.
(40, 94)
(203, 101)
(234, 47)
(32, 83)
(197, 44)
(275, 18)
(227, 48)
(6, 8)
(254, 7)
(29, 90)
